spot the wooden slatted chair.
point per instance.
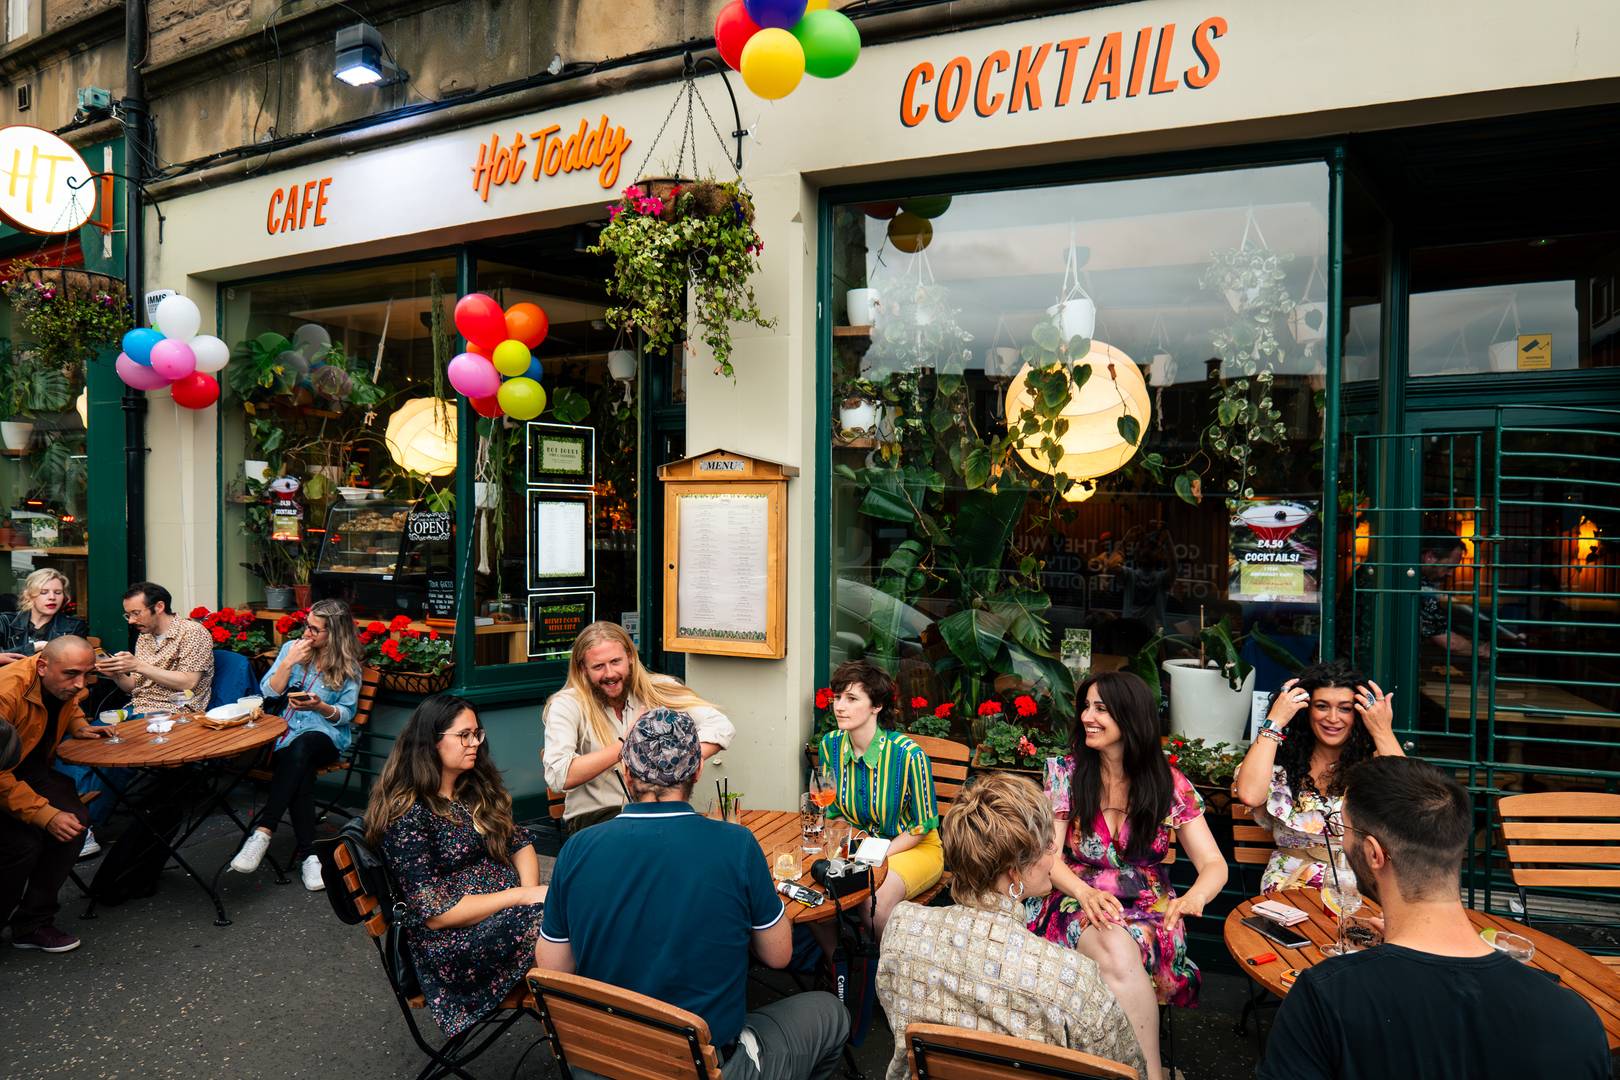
(948, 762)
(1252, 844)
(1564, 840)
(370, 682)
(385, 932)
(937, 1052)
(618, 1033)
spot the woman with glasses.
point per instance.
(1294, 773)
(319, 675)
(468, 876)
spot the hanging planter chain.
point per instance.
(688, 93)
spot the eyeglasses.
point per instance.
(1335, 828)
(470, 737)
(131, 616)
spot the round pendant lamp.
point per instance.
(421, 436)
(1092, 446)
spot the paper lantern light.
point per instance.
(421, 436)
(1092, 446)
(81, 405)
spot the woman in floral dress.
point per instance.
(1116, 798)
(1293, 775)
(468, 876)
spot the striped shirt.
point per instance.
(886, 791)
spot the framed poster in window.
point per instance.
(562, 539)
(555, 620)
(725, 555)
(560, 455)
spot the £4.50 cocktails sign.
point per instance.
(44, 184)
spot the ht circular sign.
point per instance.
(45, 186)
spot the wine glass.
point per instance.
(254, 704)
(111, 718)
(182, 703)
(1340, 896)
(811, 822)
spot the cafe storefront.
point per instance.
(1285, 261)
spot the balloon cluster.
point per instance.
(498, 373)
(911, 223)
(775, 43)
(171, 353)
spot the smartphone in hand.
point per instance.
(300, 699)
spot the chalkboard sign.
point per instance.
(428, 525)
(441, 596)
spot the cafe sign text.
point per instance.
(601, 147)
(44, 184)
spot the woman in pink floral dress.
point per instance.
(1116, 799)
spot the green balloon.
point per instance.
(521, 398)
(927, 206)
(831, 43)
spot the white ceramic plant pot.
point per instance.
(16, 433)
(1002, 362)
(1308, 321)
(255, 469)
(860, 417)
(1162, 369)
(622, 364)
(1075, 318)
(862, 305)
(1203, 705)
(486, 496)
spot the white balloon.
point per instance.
(178, 319)
(312, 351)
(212, 353)
(294, 361)
(311, 334)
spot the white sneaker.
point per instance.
(310, 868)
(91, 847)
(247, 860)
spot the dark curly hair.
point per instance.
(1295, 754)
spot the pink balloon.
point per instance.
(138, 376)
(173, 359)
(473, 376)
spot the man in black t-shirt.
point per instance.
(1434, 1001)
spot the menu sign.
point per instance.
(1275, 551)
(724, 542)
(561, 455)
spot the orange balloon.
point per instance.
(910, 233)
(527, 323)
(478, 350)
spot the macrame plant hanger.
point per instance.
(1072, 289)
(1163, 378)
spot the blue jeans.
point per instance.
(85, 781)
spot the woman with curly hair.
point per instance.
(468, 876)
(1293, 775)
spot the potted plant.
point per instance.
(68, 314)
(698, 237)
(260, 370)
(234, 629)
(1209, 766)
(862, 410)
(411, 661)
(1211, 688)
(29, 386)
(301, 566)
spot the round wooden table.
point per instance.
(185, 745)
(776, 829)
(1580, 972)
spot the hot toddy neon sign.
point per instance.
(601, 147)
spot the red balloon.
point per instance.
(485, 406)
(480, 320)
(195, 391)
(732, 29)
(527, 323)
(883, 211)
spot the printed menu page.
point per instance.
(723, 551)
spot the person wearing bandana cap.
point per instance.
(680, 926)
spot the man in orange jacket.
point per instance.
(42, 821)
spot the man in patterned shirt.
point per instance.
(172, 655)
(975, 965)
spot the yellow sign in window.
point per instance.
(1535, 352)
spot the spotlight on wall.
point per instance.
(364, 59)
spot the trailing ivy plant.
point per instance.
(701, 239)
(67, 325)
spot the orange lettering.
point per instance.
(983, 104)
(1161, 59)
(540, 138)
(320, 202)
(1144, 37)
(485, 167)
(270, 215)
(1106, 71)
(1026, 85)
(1071, 57)
(306, 204)
(516, 172)
(571, 156)
(1204, 48)
(554, 157)
(503, 165)
(962, 71)
(911, 113)
(289, 220)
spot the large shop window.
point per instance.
(1071, 421)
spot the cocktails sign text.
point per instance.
(1001, 82)
(601, 147)
(44, 183)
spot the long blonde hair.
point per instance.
(36, 581)
(654, 693)
(341, 658)
(413, 772)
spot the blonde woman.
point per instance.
(607, 689)
(39, 616)
(319, 674)
(468, 876)
(976, 964)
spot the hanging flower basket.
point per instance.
(417, 682)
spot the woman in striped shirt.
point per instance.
(884, 783)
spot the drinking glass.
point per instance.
(253, 703)
(111, 718)
(788, 864)
(1340, 896)
(159, 737)
(811, 822)
(182, 703)
(1520, 948)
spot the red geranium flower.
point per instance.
(1026, 747)
(366, 637)
(390, 649)
(227, 613)
(990, 708)
(399, 622)
(433, 635)
(412, 634)
(919, 703)
(1174, 758)
(824, 698)
(1025, 705)
(374, 628)
(283, 624)
(242, 636)
(945, 710)
(221, 634)
(198, 612)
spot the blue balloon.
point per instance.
(138, 344)
(535, 370)
(782, 14)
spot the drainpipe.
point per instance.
(136, 127)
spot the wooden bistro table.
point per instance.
(1575, 969)
(188, 745)
(776, 829)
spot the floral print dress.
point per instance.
(1142, 887)
(1298, 824)
(465, 971)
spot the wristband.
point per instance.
(1274, 735)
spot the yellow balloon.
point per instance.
(772, 63)
(511, 357)
(817, 5)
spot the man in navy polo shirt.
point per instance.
(667, 903)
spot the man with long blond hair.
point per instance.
(585, 722)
